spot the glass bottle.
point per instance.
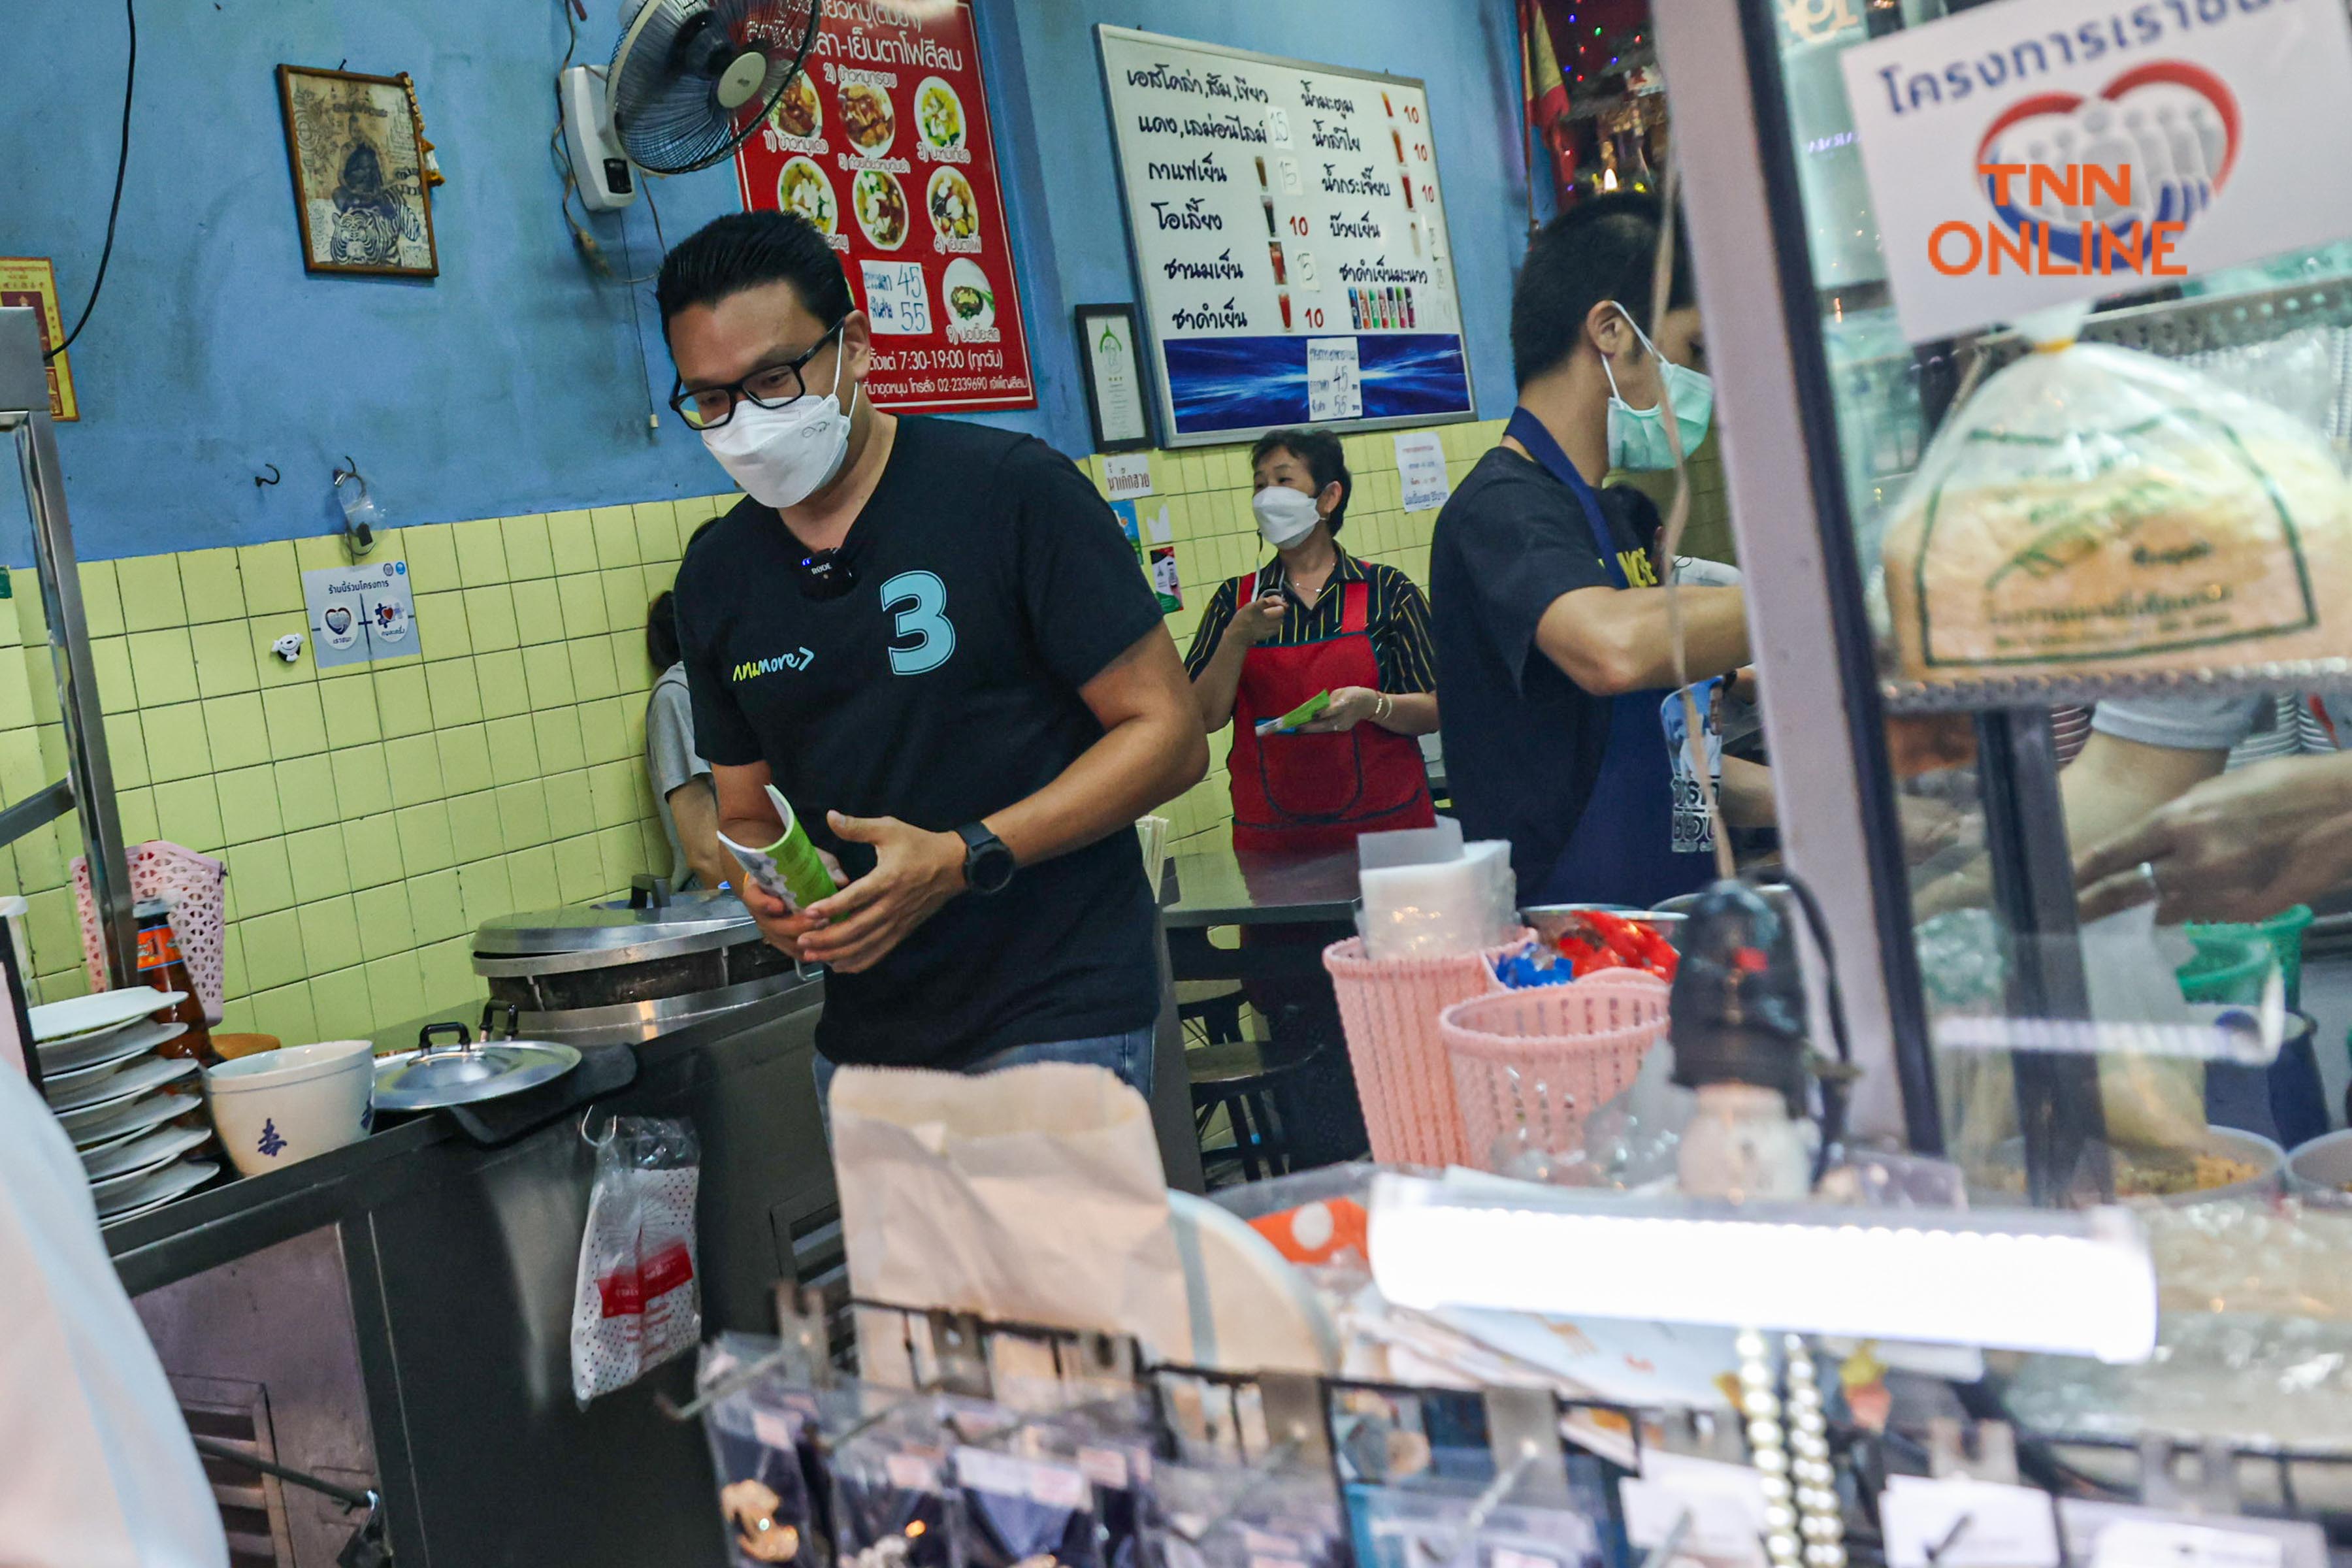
(160, 966)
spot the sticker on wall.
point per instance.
(1129, 525)
(1164, 581)
(30, 282)
(361, 613)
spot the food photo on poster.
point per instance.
(885, 144)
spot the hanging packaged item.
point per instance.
(636, 1304)
(1404, 1527)
(2096, 509)
(894, 1500)
(768, 1457)
(1243, 1515)
(1020, 1512)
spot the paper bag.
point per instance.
(1034, 1194)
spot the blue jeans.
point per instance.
(1129, 1055)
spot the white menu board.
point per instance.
(1289, 237)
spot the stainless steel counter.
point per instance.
(443, 1272)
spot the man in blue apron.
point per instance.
(1554, 658)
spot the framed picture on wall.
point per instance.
(358, 158)
(1114, 385)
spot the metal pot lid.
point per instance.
(439, 1076)
(686, 925)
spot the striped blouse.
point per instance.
(1398, 613)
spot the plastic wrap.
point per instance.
(2095, 509)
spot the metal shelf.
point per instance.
(2078, 689)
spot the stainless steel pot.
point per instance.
(610, 974)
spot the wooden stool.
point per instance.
(1240, 1076)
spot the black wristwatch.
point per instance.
(987, 865)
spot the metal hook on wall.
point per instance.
(275, 477)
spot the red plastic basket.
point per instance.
(1531, 1065)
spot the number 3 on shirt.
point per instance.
(917, 599)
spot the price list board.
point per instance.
(884, 144)
(1289, 230)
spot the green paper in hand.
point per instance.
(1306, 712)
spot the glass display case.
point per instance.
(1939, 535)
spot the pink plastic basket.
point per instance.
(193, 884)
(1389, 1008)
(1543, 1059)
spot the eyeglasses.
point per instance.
(775, 387)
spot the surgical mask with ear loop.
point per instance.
(1638, 441)
(784, 455)
(1284, 516)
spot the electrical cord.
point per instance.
(122, 163)
(560, 155)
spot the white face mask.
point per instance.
(784, 455)
(1285, 515)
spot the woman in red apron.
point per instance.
(1316, 622)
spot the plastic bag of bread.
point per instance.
(2098, 510)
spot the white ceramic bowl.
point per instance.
(279, 1106)
(2317, 1171)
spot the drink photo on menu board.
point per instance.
(1289, 229)
(884, 144)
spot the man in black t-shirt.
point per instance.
(932, 637)
(1553, 653)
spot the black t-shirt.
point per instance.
(1523, 742)
(992, 584)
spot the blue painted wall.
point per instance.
(517, 382)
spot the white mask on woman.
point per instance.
(784, 455)
(1285, 515)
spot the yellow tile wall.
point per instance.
(373, 817)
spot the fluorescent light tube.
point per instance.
(2069, 1283)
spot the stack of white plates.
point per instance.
(136, 1117)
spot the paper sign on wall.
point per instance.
(1127, 474)
(2022, 155)
(361, 613)
(1335, 380)
(1420, 470)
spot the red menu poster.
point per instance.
(884, 144)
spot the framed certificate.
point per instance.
(1114, 385)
